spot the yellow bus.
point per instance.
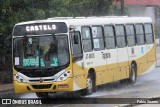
(65, 54)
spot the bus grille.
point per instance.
(39, 80)
(42, 86)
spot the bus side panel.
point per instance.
(145, 66)
(112, 64)
(79, 78)
(141, 57)
(151, 53)
(109, 73)
(123, 63)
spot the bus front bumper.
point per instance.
(63, 86)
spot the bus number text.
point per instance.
(90, 56)
(106, 55)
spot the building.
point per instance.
(143, 8)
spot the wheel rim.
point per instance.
(89, 85)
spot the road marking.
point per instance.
(58, 105)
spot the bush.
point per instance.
(6, 77)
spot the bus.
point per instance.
(65, 54)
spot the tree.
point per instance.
(15, 11)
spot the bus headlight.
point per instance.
(64, 76)
(20, 78)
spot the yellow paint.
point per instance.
(124, 72)
(151, 56)
(123, 64)
(22, 87)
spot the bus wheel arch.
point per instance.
(91, 81)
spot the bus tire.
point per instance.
(133, 74)
(90, 85)
(42, 94)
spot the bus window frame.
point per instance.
(152, 33)
(134, 34)
(120, 36)
(98, 37)
(114, 35)
(87, 39)
(140, 34)
(80, 57)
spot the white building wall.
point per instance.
(141, 11)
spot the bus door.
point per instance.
(111, 53)
(122, 52)
(77, 61)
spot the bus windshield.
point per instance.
(41, 51)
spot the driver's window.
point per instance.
(76, 44)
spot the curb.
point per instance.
(7, 94)
(7, 91)
(6, 87)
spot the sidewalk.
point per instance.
(6, 87)
(6, 91)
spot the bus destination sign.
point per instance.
(40, 28)
(33, 28)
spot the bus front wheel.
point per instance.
(42, 94)
(90, 85)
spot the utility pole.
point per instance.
(122, 7)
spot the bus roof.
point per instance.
(93, 20)
(108, 20)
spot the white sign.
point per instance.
(94, 32)
(40, 28)
(96, 43)
(87, 34)
(16, 60)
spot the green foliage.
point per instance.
(14, 11)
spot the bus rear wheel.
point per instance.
(42, 94)
(133, 74)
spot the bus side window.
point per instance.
(97, 34)
(120, 36)
(139, 34)
(86, 39)
(148, 33)
(76, 45)
(109, 37)
(130, 32)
